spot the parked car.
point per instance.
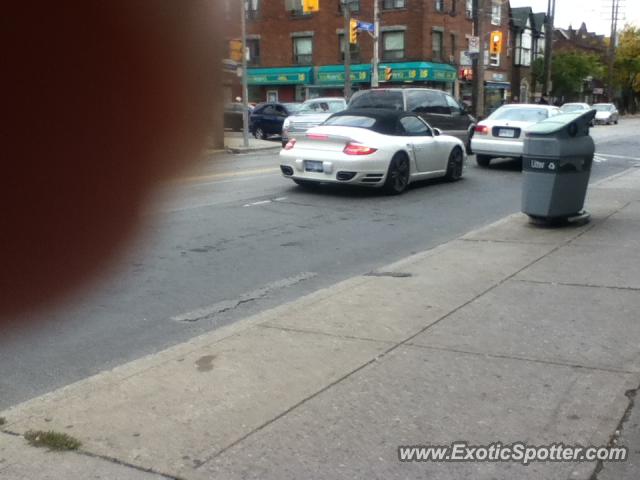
(267, 118)
(437, 108)
(312, 113)
(372, 147)
(500, 134)
(606, 113)
(577, 107)
(233, 115)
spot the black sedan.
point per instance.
(267, 118)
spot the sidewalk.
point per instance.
(510, 333)
(234, 143)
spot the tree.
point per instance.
(627, 68)
(569, 71)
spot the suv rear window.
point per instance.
(378, 99)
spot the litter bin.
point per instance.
(557, 158)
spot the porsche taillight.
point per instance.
(358, 149)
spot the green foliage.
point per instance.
(52, 440)
(570, 69)
(537, 70)
(627, 65)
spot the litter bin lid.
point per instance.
(558, 122)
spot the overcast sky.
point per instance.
(595, 13)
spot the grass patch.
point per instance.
(52, 440)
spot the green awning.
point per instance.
(419, 72)
(280, 76)
(333, 75)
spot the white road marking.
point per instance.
(261, 202)
(226, 305)
(624, 157)
(264, 202)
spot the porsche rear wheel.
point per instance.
(397, 175)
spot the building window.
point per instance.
(468, 8)
(253, 46)
(453, 6)
(436, 45)
(354, 49)
(523, 49)
(354, 4)
(391, 4)
(439, 5)
(296, 9)
(453, 47)
(496, 12)
(251, 7)
(393, 45)
(303, 50)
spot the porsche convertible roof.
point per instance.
(386, 120)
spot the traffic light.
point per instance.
(495, 46)
(309, 6)
(388, 74)
(235, 50)
(353, 31)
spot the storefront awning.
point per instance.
(333, 75)
(419, 72)
(280, 76)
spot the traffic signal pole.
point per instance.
(376, 44)
(245, 88)
(478, 62)
(346, 10)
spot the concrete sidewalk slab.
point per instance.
(589, 327)
(436, 284)
(173, 416)
(19, 461)
(417, 396)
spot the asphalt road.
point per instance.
(233, 237)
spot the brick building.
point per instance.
(294, 56)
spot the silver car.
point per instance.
(501, 133)
(311, 114)
(577, 107)
(606, 113)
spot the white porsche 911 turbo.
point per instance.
(372, 147)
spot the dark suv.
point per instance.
(436, 107)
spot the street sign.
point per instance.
(229, 65)
(474, 44)
(366, 26)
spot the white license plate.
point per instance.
(506, 132)
(313, 166)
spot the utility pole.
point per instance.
(548, 46)
(615, 6)
(376, 44)
(346, 11)
(245, 88)
(478, 62)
